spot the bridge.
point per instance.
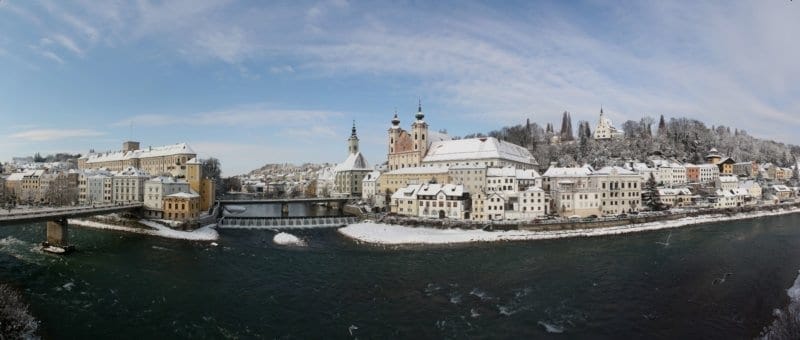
(331, 203)
(57, 225)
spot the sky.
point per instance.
(256, 82)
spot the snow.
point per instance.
(287, 239)
(206, 233)
(396, 234)
(355, 161)
(794, 291)
(167, 150)
(477, 148)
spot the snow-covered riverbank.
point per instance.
(206, 233)
(396, 234)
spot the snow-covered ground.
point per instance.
(287, 239)
(397, 234)
(206, 233)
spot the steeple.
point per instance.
(352, 142)
(395, 120)
(601, 110)
(419, 114)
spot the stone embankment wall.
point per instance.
(548, 225)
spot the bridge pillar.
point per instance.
(285, 209)
(57, 237)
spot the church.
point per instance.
(420, 155)
(421, 147)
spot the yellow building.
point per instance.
(401, 178)
(181, 206)
(200, 184)
(167, 159)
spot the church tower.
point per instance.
(419, 129)
(394, 133)
(352, 142)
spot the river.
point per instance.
(131, 286)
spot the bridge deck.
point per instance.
(285, 200)
(43, 215)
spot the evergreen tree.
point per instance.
(650, 194)
(662, 127)
(566, 128)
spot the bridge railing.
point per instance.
(299, 222)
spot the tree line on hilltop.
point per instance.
(684, 139)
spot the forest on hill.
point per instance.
(683, 139)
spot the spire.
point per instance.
(419, 114)
(601, 109)
(395, 120)
(353, 133)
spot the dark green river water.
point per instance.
(128, 286)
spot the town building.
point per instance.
(727, 182)
(511, 179)
(201, 183)
(392, 180)
(753, 189)
(472, 177)
(128, 185)
(155, 189)
(95, 187)
(182, 206)
(746, 169)
(605, 129)
(160, 160)
(404, 200)
(675, 197)
(621, 190)
(371, 190)
(443, 201)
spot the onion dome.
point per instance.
(419, 114)
(395, 120)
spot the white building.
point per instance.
(528, 204)
(605, 129)
(371, 190)
(404, 200)
(753, 188)
(675, 197)
(708, 173)
(671, 174)
(156, 189)
(95, 187)
(472, 177)
(325, 179)
(727, 182)
(485, 151)
(511, 179)
(443, 201)
(128, 185)
(726, 199)
(621, 190)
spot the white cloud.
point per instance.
(52, 56)
(68, 43)
(243, 116)
(39, 135)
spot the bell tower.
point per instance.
(419, 129)
(352, 142)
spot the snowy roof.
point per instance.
(326, 174)
(435, 136)
(193, 161)
(725, 193)
(512, 172)
(728, 179)
(166, 150)
(354, 162)
(567, 172)
(749, 184)
(166, 180)
(447, 189)
(613, 170)
(477, 148)
(419, 170)
(409, 192)
(674, 192)
(17, 176)
(184, 195)
(781, 188)
(534, 189)
(372, 176)
(740, 192)
(131, 171)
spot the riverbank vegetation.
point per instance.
(16, 322)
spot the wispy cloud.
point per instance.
(68, 43)
(243, 116)
(40, 135)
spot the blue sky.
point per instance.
(254, 82)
